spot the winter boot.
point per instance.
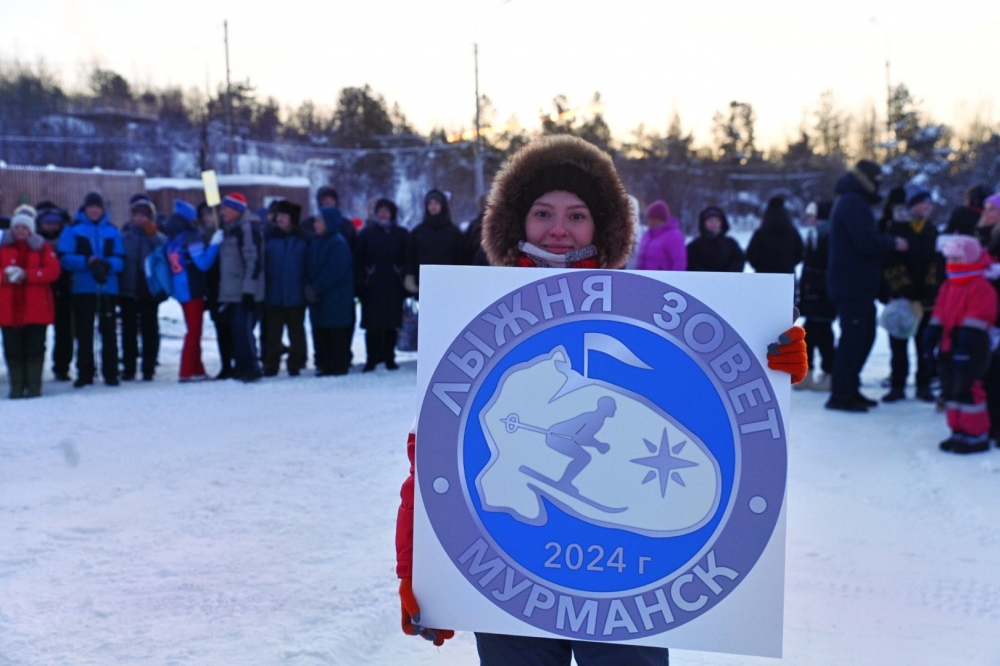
(848, 404)
(824, 385)
(894, 395)
(867, 402)
(15, 375)
(806, 383)
(33, 376)
(949, 444)
(925, 394)
(971, 444)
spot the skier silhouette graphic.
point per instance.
(570, 437)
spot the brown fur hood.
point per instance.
(502, 230)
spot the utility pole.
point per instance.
(229, 100)
(889, 134)
(480, 178)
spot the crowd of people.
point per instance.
(274, 266)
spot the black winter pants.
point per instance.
(857, 335)
(819, 335)
(222, 318)
(24, 351)
(380, 345)
(62, 352)
(503, 650)
(991, 384)
(245, 341)
(276, 320)
(139, 316)
(901, 361)
(85, 307)
(333, 350)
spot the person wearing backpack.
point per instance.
(190, 260)
(138, 306)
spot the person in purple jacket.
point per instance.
(662, 247)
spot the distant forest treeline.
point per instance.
(368, 148)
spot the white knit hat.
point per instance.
(24, 215)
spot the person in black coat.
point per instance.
(713, 250)
(914, 276)
(965, 219)
(208, 224)
(51, 222)
(138, 308)
(379, 263)
(857, 256)
(776, 247)
(814, 303)
(435, 241)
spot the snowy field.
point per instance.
(219, 523)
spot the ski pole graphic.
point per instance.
(512, 423)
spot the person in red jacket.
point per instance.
(557, 203)
(28, 266)
(964, 312)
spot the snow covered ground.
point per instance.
(219, 523)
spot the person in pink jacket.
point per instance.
(662, 247)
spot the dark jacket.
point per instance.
(435, 241)
(964, 220)
(379, 261)
(813, 299)
(285, 269)
(330, 272)
(718, 253)
(857, 250)
(914, 274)
(86, 239)
(776, 247)
(138, 245)
(472, 243)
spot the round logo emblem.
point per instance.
(601, 455)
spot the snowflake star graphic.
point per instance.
(664, 464)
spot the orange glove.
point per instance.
(411, 616)
(789, 354)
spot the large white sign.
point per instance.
(601, 455)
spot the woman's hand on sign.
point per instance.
(789, 354)
(411, 617)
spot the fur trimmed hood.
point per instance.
(502, 228)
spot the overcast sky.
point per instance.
(646, 57)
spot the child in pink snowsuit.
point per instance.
(965, 309)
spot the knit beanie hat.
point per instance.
(918, 197)
(142, 201)
(327, 191)
(992, 200)
(50, 214)
(185, 210)
(658, 210)
(962, 250)
(24, 215)
(93, 199)
(869, 174)
(236, 201)
(562, 178)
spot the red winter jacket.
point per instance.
(404, 517)
(30, 301)
(967, 299)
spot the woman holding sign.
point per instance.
(557, 203)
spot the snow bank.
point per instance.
(219, 523)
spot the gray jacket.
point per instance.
(241, 260)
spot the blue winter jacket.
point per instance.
(189, 258)
(285, 270)
(857, 250)
(85, 239)
(330, 271)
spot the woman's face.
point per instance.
(20, 232)
(433, 207)
(384, 214)
(319, 226)
(559, 222)
(713, 225)
(990, 216)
